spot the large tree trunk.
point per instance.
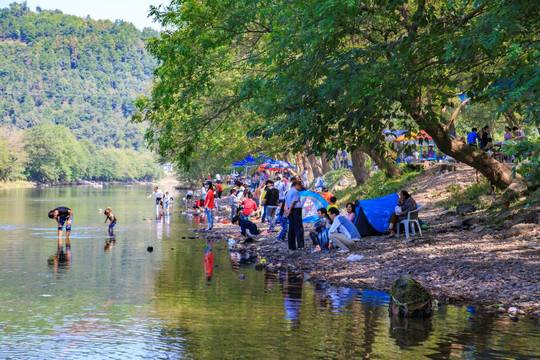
(385, 163)
(360, 172)
(316, 167)
(497, 174)
(326, 166)
(287, 157)
(307, 166)
(383, 157)
(299, 162)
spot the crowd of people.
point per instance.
(277, 202)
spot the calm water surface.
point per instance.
(112, 299)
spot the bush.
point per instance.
(527, 159)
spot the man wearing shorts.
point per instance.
(159, 197)
(62, 215)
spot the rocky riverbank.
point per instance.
(463, 258)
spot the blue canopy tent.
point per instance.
(251, 161)
(372, 215)
(247, 161)
(311, 202)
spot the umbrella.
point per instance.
(413, 136)
(276, 165)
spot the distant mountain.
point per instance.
(77, 72)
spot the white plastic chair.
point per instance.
(408, 221)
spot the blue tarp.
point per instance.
(311, 202)
(378, 210)
(377, 298)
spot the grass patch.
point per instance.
(473, 194)
(377, 185)
(332, 177)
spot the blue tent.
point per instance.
(372, 215)
(311, 202)
(247, 161)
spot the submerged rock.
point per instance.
(409, 299)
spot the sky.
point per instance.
(133, 11)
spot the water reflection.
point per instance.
(110, 241)
(60, 261)
(292, 297)
(236, 259)
(208, 262)
(409, 332)
(162, 307)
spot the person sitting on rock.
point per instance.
(247, 228)
(342, 233)
(405, 204)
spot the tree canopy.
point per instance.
(332, 73)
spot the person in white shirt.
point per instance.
(305, 178)
(280, 185)
(159, 197)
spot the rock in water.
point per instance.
(409, 299)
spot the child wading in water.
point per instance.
(109, 216)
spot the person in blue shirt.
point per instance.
(342, 233)
(471, 137)
(294, 213)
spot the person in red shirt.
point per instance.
(209, 204)
(219, 189)
(326, 194)
(250, 206)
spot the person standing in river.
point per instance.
(159, 198)
(110, 217)
(62, 215)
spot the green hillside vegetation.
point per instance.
(69, 84)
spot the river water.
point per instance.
(110, 298)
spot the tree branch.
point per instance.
(448, 126)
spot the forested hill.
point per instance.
(78, 72)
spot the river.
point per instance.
(110, 298)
